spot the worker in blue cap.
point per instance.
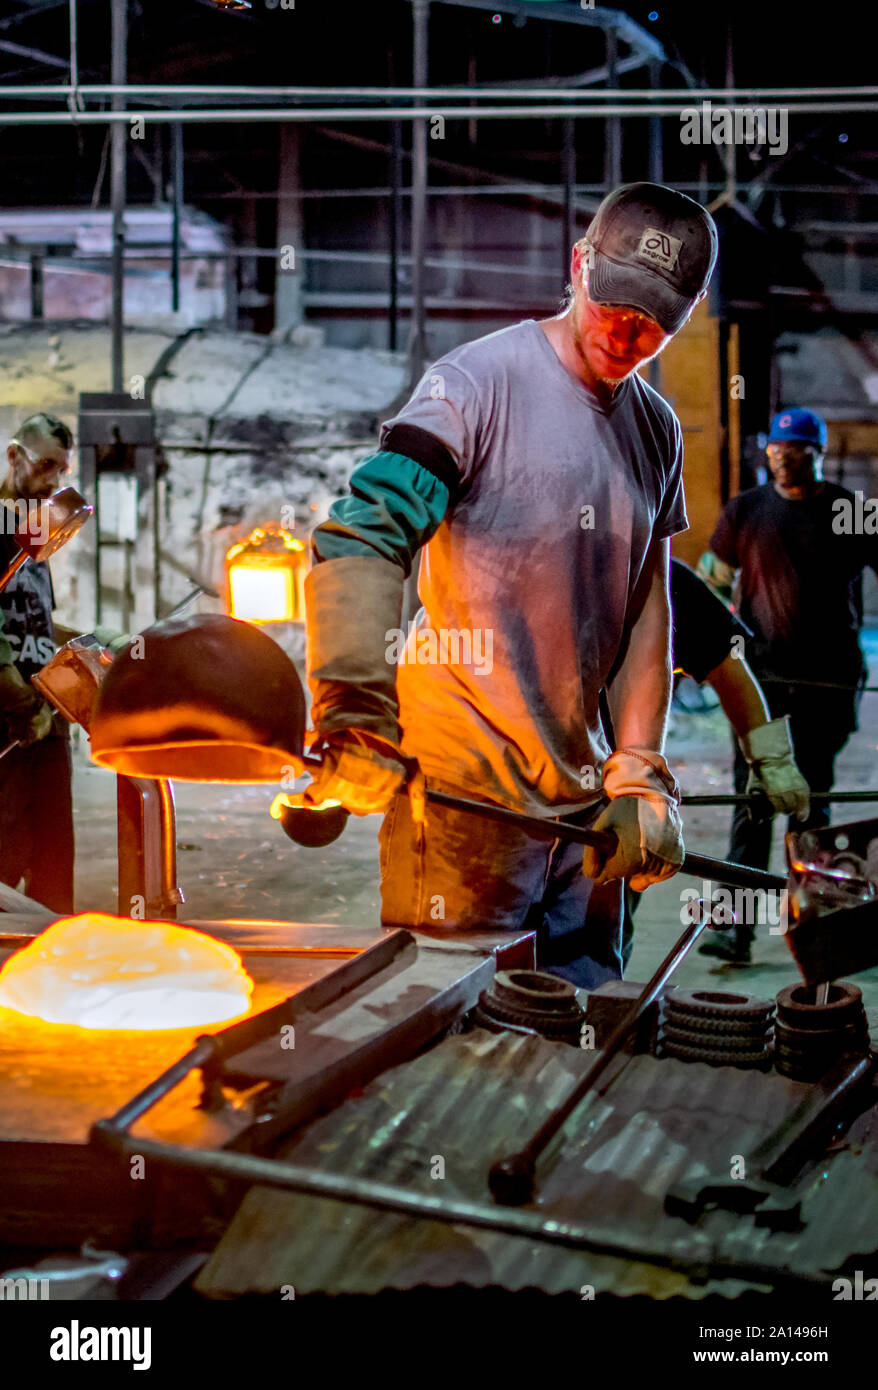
(797, 557)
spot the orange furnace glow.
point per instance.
(265, 575)
(99, 971)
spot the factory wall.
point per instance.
(251, 432)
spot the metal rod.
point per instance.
(118, 191)
(751, 798)
(395, 232)
(185, 602)
(204, 1051)
(613, 148)
(417, 340)
(12, 567)
(177, 206)
(36, 285)
(568, 176)
(547, 829)
(699, 865)
(239, 1037)
(656, 162)
(512, 1178)
(819, 685)
(339, 1187)
(342, 114)
(167, 824)
(730, 154)
(234, 92)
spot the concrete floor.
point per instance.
(234, 861)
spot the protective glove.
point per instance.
(643, 816)
(769, 752)
(365, 772)
(351, 604)
(111, 638)
(17, 696)
(30, 728)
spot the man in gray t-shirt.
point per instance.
(543, 479)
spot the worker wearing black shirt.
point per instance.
(36, 813)
(800, 554)
(705, 648)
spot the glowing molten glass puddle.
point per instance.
(99, 971)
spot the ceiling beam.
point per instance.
(22, 51)
(30, 12)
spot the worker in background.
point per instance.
(36, 811)
(796, 549)
(543, 477)
(708, 646)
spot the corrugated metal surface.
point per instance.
(475, 1097)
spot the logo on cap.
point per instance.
(785, 421)
(659, 248)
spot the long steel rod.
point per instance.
(14, 565)
(417, 346)
(176, 213)
(512, 1178)
(698, 865)
(118, 190)
(656, 154)
(339, 1187)
(158, 89)
(747, 799)
(339, 115)
(394, 258)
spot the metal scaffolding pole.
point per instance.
(568, 176)
(395, 232)
(656, 161)
(177, 209)
(341, 115)
(118, 151)
(613, 154)
(417, 343)
(752, 96)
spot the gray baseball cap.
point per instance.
(651, 248)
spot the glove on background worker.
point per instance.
(768, 750)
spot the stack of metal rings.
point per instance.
(531, 1001)
(724, 1030)
(812, 1033)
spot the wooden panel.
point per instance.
(690, 382)
(852, 437)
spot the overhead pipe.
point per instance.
(142, 89)
(613, 146)
(118, 188)
(176, 191)
(417, 334)
(405, 113)
(656, 162)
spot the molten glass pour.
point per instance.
(99, 971)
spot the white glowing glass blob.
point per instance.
(260, 594)
(98, 971)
